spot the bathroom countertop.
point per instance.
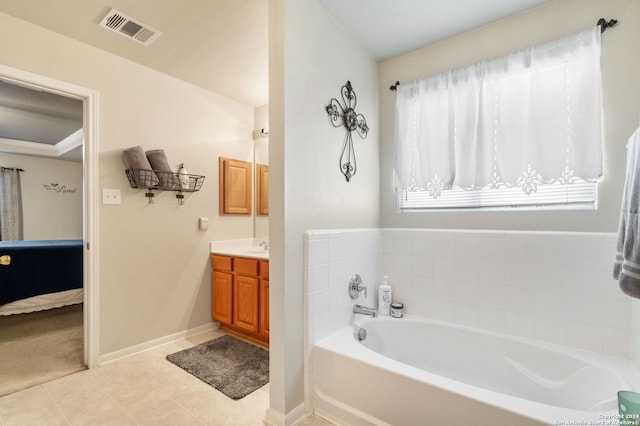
(247, 247)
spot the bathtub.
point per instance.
(416, 371)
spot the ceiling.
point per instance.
(222, 45)
(388, 28)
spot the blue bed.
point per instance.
(39, 267)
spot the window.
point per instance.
(524, 130)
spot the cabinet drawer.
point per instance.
(245, 266)
(221, 263)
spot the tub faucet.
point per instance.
(364, 310)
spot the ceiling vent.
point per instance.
(129, 27)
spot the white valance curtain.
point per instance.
(530, 118)
(11, 222)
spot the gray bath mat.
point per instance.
(234, 367)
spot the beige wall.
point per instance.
(154, 270)
(51, 196)
(621, 102)
(311, 57)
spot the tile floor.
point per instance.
(143, 389)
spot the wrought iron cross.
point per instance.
(345, 115)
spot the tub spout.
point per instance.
(365, 310)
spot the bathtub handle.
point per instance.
(356, 286)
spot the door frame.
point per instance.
(90, 235)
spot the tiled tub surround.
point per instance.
(551, 286)
(555, 287)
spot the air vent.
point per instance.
(129, 27)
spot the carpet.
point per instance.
(38, 347)
(234, 367)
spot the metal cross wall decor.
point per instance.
(345, 115)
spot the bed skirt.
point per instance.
(43, 302)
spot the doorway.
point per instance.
(89, 148)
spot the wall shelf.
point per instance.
(164, 181)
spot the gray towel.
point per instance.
(159, 163)
(135, 158)
(626, 268)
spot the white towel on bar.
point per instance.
(627, 265)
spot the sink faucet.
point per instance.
(264, 245)
(365, 310)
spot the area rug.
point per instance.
(234, 367)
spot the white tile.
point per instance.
(320, 302)
(519, 324)
(444, 310)
(491, 272)
(464, 270)
(491, 249)
(584, 336)
(551, 251)
(466, 314)
(444, 289)
(466, 293)
(422, 243)
(422, 287)
(422, 266)
(467, 248)
(444, 245)
(491, 319)
(550, 330)
(492, 296)
(318, 277)
(444, 268)
(336, 247)
(616, 313)
(396, 263)
(616, 342)
(321, 327)
(318, 252)
(519, 250)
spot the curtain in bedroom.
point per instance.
(11, 226)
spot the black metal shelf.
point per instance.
(164, 181)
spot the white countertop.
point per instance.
(246, 247)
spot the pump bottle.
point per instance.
(384, 296)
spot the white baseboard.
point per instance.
(294, 417)
(151, 344)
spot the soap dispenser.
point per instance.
(384, 296)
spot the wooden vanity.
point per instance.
(240, 295)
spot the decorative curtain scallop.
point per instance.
(533, 117)
(11, 226)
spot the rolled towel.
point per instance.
(159, 163)
(135, 158)
(626, 268)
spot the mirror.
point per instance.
(261, 172)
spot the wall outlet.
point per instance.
(111, 196)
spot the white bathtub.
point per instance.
(416, 371)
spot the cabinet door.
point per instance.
(222, 296)
(262, 189)
(264, 308)
(235, 186)
(245, 303)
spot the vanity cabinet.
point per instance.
(240, 295)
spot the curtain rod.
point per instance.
(11, 168)
(603, 23)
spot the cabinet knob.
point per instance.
(5, 260)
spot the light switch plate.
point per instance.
(111, 196)
(203, 223)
